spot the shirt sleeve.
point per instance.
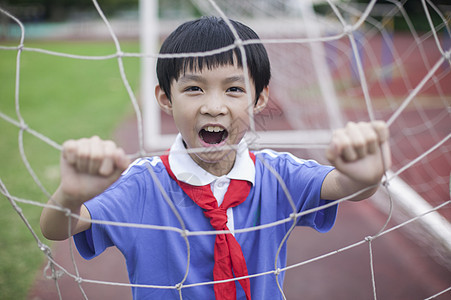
(301, 187)
(306, 180)
(321, 220)
(121, 203)
(84, 241)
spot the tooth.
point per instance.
(214, 129)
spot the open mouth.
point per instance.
(213, 135)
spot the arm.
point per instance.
(88, 167)
(360, 154)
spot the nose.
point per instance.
(214, 106)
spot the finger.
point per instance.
(369, 136)
(355, 133)
(121, 159)
(83, 150)
(383, 134)
(381, 130)
(332, 151)
(107, 166)
(95, 157)
(69, 151)
(343, 147)
(386, 155)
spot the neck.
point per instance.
(220, 167)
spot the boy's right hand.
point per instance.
(88, 167)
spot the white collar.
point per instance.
(187, 170)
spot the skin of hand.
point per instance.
(360, 152)
(88, 167)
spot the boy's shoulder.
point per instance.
(284, 161)
(272, 155)
(141, 172)
(143, 164)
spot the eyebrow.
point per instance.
(237, 78)
(192, 77)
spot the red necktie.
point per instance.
(229, 259)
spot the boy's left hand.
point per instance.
(361, 151)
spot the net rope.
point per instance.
(349, 31)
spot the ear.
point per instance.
(262, 100)
(163, 101)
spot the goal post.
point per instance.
(150, 38)
(320, 80)
(149, 42)
(317, 96)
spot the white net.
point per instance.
(349, 62)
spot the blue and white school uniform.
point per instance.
(159, 258)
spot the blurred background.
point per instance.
(67, 83)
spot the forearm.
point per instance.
(57, 224)
(337, 186)
(88, 167)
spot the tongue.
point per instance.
(211, 137)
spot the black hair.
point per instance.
(205, 34)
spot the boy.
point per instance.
(225, 187)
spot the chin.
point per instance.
(213, 155)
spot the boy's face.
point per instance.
(210, 110)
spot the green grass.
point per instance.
(61, 98)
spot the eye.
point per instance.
(193, 89)
(235, 89)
